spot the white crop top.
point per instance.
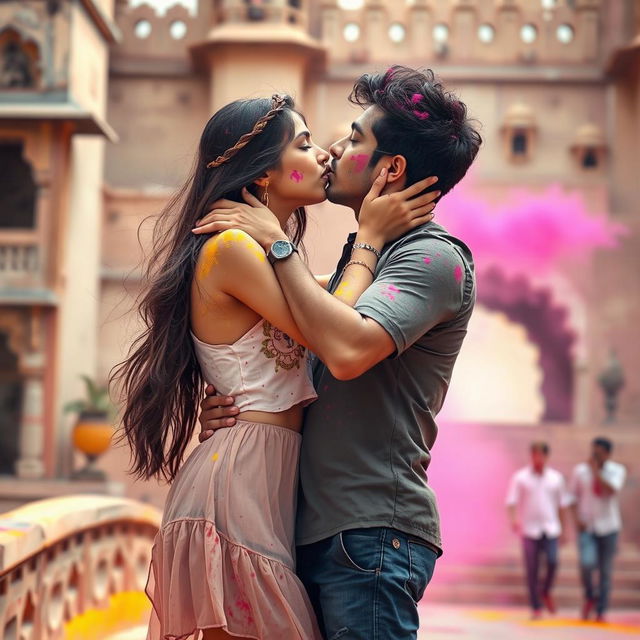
(264, 370)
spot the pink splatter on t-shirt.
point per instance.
(296, 176)
(390, 292)
(426, 260)
(457, 273)
(360, 160)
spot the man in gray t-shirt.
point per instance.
(368, 528)
(367, 441)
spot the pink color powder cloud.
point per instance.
(527, 231)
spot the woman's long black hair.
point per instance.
(160, 380)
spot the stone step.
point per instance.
(565, 596)
(622, 576)
(500, 580)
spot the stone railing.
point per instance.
(19, 260)
(74, 567)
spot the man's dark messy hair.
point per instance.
(422, 122)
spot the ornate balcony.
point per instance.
(74, 567)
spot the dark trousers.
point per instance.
(533, 549)
(597, 553)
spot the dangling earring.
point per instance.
(265, 196)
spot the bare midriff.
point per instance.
(289, 419)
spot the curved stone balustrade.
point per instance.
(74, 567)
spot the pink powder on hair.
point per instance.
(416, 97)
(423, 115)
(296, 176)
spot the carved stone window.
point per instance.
(17, 189)
(19, 61)
(519, 130)
(589, 147)
(255, 10)
(519, 143)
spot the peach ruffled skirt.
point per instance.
(224, 555)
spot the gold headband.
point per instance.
(277, 104)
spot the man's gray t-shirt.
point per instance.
(366, 442)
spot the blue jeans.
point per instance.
(365, 584)
(533, 548)
(597, 552)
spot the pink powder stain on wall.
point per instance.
(360, 161)
(469, 472)
(296, 176)
(457, 273)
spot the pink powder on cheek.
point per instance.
(457, 273)
(296, 176)
(360, 160)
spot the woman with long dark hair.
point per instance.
(213, 312)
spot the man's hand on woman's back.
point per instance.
(216, 412)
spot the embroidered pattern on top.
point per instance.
(278, 345)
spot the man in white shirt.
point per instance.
(594, 487)
(536, 503)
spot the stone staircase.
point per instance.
(500, 581)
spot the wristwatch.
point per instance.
(280, 250)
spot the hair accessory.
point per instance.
(364, 264)
(368, 247)
(278, 103)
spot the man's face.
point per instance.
(599, 454)
(351, 176)
(538, 458)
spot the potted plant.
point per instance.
(93, 429)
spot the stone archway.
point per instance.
(546, 326)
(10, 405)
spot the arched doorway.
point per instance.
(517, 364)
(547, 327)
(10, 406)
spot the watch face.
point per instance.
(281, 249)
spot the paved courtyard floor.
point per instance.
(477, 623)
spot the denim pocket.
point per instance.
(422, 562)
(361, 551)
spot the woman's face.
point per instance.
(300, 179)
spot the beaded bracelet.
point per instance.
(364, 264)
(368, 247)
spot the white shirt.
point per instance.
(599, 513)
(538, 497)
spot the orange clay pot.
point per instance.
(92, 434)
